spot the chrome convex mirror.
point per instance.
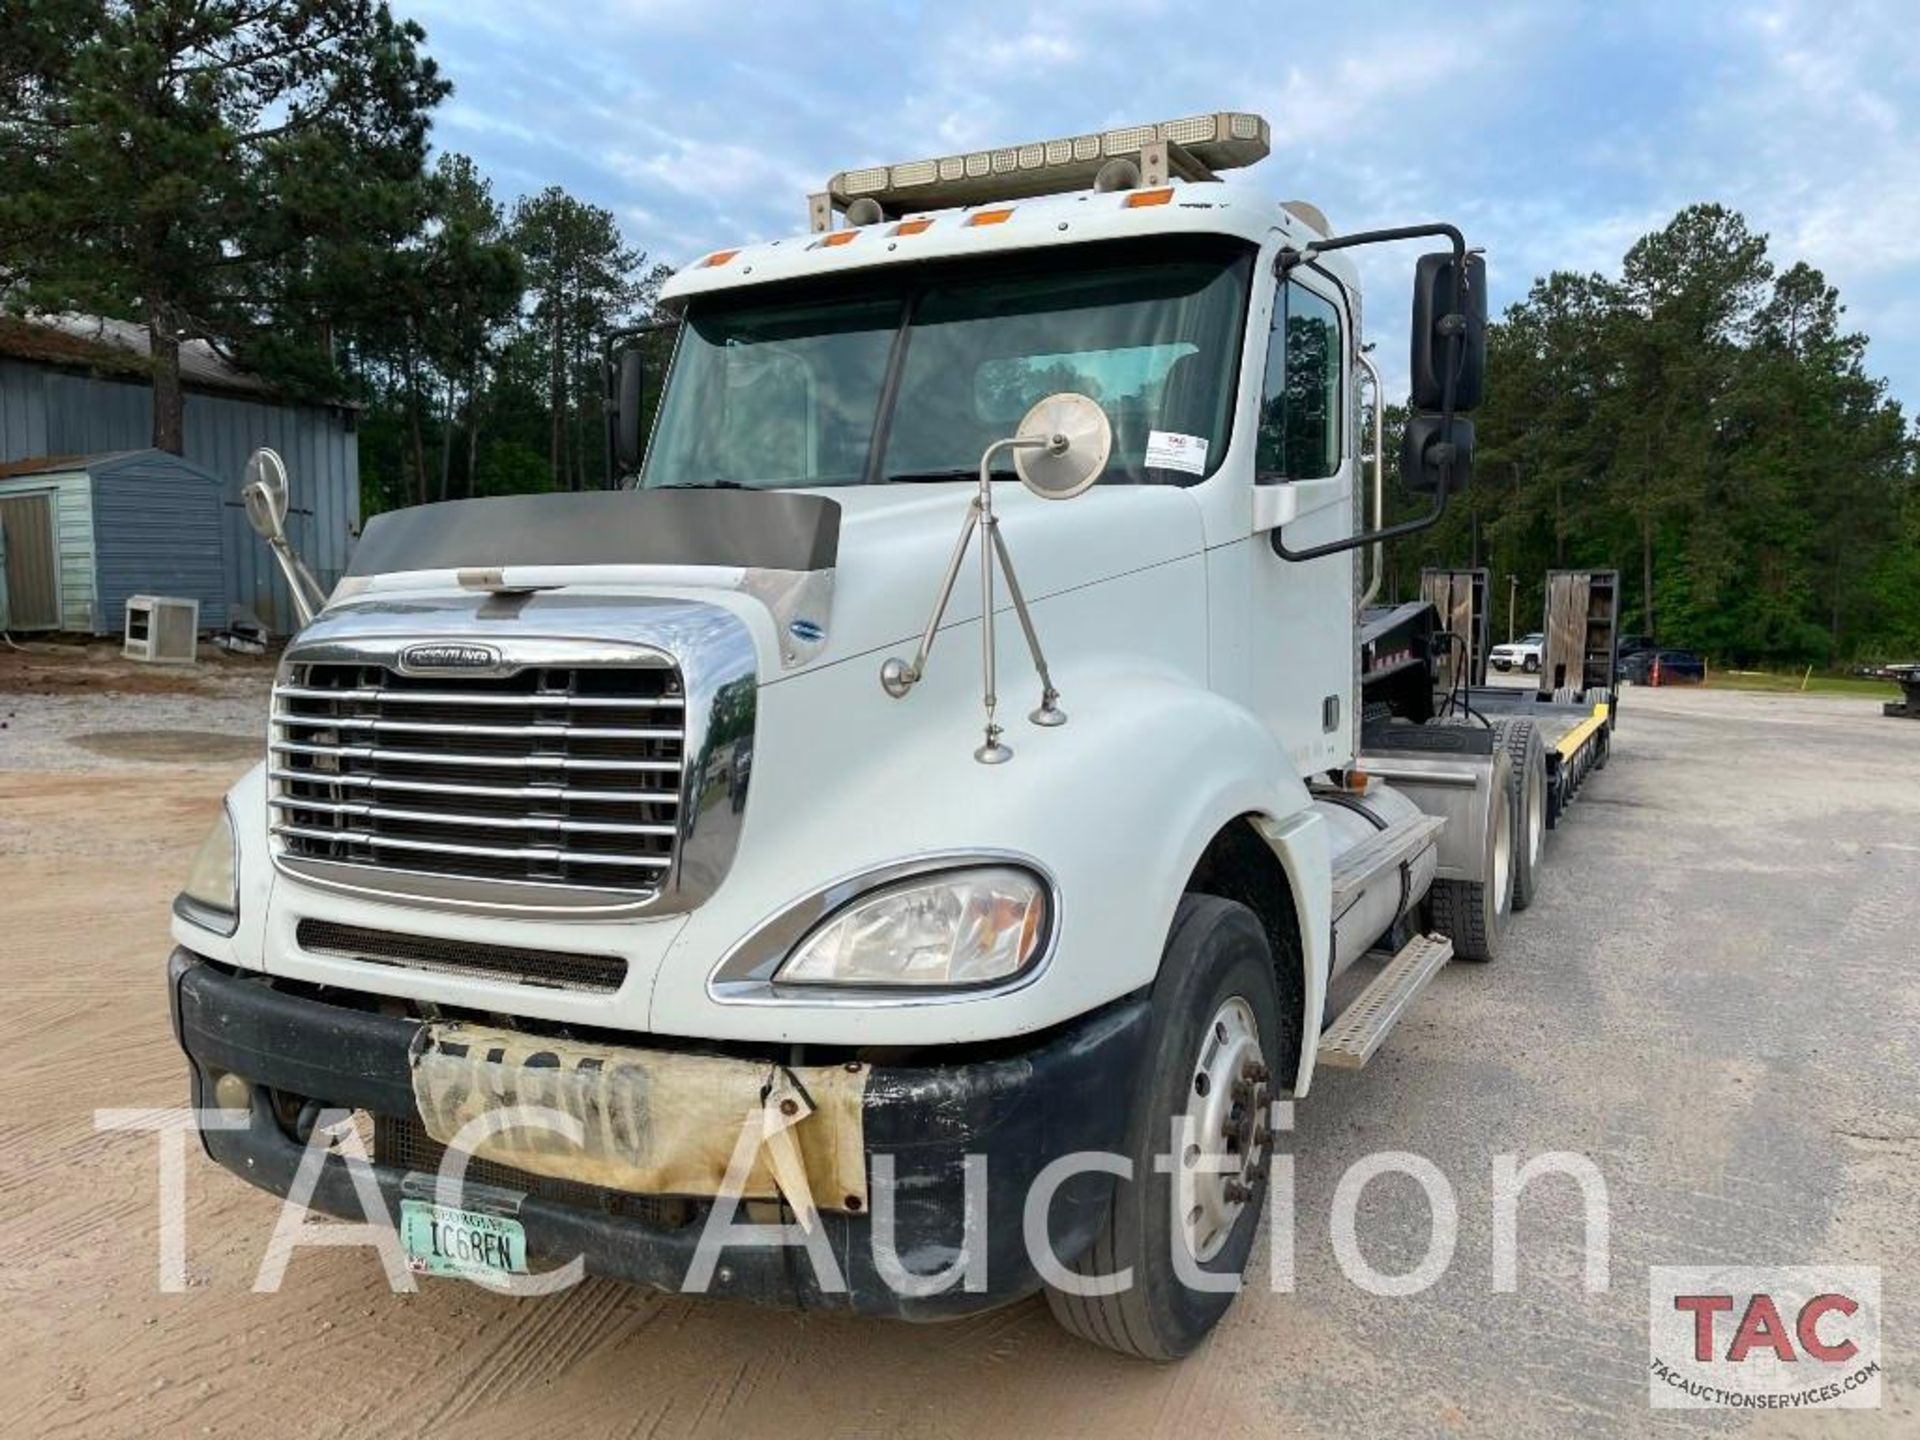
(264, 491)
(1060, 448)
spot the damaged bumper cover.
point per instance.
(1020, 1105)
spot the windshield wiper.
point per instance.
(699, 485)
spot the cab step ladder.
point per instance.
(1350, 1041)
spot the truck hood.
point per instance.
(836, 573)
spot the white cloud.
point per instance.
(1556, 134)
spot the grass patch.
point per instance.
(1817, 684)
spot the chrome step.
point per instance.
(1350, 1041)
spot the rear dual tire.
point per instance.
(1473, 913)
(1527, 793)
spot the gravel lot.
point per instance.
(1715, 998)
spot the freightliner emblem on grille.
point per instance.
(449, 655)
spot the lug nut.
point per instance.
(789, 1107)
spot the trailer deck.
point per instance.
(1577, 730)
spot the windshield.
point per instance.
(910, 376)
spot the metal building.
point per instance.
(77, 386)
(78, 536)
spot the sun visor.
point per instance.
(748, 529)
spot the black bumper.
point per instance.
(1069, 1091)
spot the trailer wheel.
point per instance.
(1473, 913)
(1215, 1033)
(1527, 785)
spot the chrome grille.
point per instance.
(551, 775)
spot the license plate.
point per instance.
(445, 1240)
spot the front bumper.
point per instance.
(1019, 1106)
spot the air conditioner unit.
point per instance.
(162, 630)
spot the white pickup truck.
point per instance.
(1522, 654)
(707, 816)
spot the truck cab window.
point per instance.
(931, 365)
(1301, 401)
(775, 395)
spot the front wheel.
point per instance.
(1531, 665)
(1214, 1041)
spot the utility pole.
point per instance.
(1513, 597)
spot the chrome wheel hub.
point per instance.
(1223, 1135)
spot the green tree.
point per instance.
(1706, 426)
(584, 283)
(210, 168)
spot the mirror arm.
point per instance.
(1455, 328)
(1379, 476)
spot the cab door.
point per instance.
(1303, 663)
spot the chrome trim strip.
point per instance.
(745, 973)
(467, 894)
(442, 757)
(455, 697)
(491, 792)
(463, 817)
(491, 852)
(539, 730)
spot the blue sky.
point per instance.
(1554, 133)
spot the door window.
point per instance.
(1301, 401)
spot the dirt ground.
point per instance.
(1715, 998)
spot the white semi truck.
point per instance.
(706, 818)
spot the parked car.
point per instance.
(1676, 667)
(1523, 654)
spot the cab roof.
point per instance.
(1206, 207)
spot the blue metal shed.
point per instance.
(84, 533)
(76, 386)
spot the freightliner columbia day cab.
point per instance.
(704, 817)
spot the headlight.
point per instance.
(960, 927)
(211, 897)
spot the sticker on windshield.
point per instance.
(1170, 450)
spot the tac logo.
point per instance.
(1764, 1337)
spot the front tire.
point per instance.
(1215, 1038)
(1531, 665)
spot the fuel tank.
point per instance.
(1371, 909)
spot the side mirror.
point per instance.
(1429, 451)
(1434, 324)
(1062, 446)
(629, 376)
(263, 488)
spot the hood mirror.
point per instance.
(1060, 448)
(1064, 443)
(263, 488)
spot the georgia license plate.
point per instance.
(444, 1240)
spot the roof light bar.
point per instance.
(1194, 148)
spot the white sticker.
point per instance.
(1170, 450)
